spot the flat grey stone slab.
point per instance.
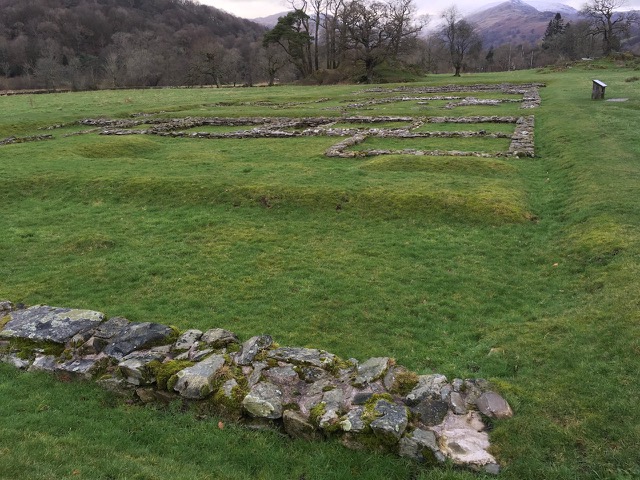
(393, 419)
(45, 323)
(82, 367)
(135, 336)
(196, 382)
(303, 356)
(187, 339)
(219, 337)
(371, 370)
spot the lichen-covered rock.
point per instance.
(304, 356)
(420, 445)
(312, 374)
(187, 339)
(228, 388)
(333, 403)
(199, 355)
(352, 421)
(53, 324)
(43, 363)
(282, 375)
(134, 367)
(83, 368)
(473, 389)
(218, 337)
(430, 412)
(392, 420)
(298, 426)
(136, 336)
(429, 386)
(371, 370)
(111, 328)
(251, 348)
(196, 382)
(256, 373)
(494, 406)
(264, 401)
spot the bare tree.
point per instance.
(605, 21)
(403, 24)
(209, 64)
(376, 31)
(459, 36)
(274, 61)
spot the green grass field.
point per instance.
(521, 271)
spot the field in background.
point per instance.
(520, 271)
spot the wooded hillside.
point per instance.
(91, 43)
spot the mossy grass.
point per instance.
(521, 271)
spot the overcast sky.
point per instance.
(263, 8)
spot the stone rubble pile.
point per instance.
(31, 138)
(508, 88)
(522, 140)
(309, 393)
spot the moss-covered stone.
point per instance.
(316, 413)
(4, 320)
(370, 413)
(404, 382)
(164, 371)
(26, 349)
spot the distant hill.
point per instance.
(517, 22)
(269, 21)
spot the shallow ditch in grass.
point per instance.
(475, 144)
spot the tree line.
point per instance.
(85, 44)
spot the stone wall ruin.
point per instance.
(522, 139)
(308, 393)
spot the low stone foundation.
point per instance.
(309, 393)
